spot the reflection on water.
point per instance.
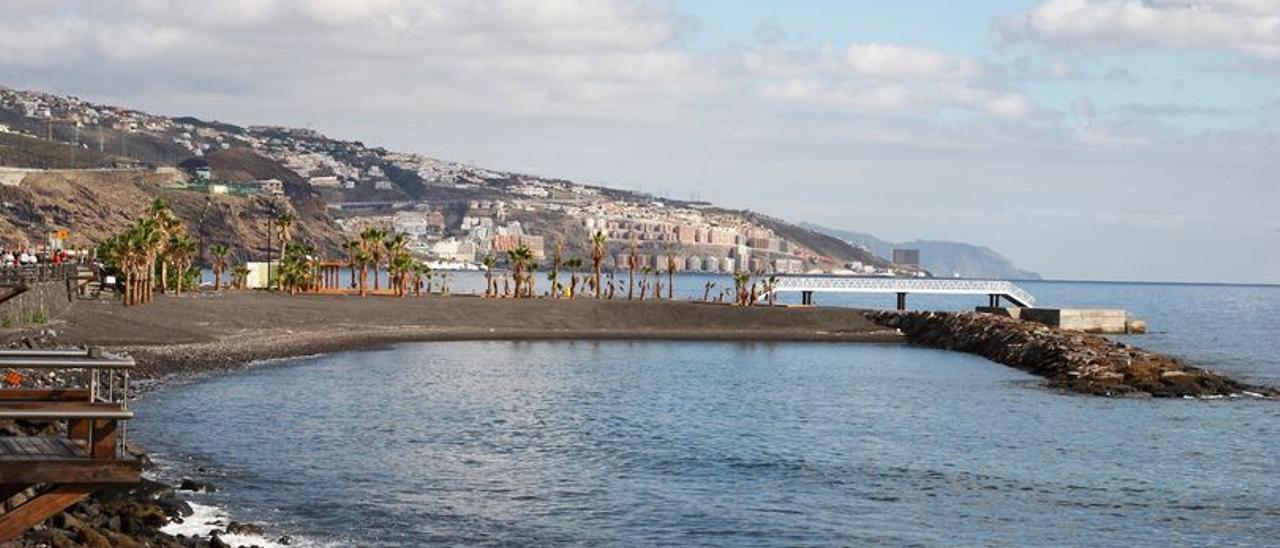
(725, 444)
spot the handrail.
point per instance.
(37, 273)
(903, 285)
(67, 363)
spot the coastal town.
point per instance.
(452, 215)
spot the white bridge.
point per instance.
(993, 289)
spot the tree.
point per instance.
(219, 252)
(644, 281)
(284, 229)
(574, 265)
(182, 251)
(490, 286)
(769, 286)
(633, 262)
(671, 276)
(520, 258)
(352, 247)
(740, 281)
(298, 267)
(240, 277)
(597, 256)
(554, 275)
(371, 239)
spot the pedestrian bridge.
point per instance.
(807, 285)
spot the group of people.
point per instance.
(27, 257)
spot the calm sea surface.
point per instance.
(739, 444)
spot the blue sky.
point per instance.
(1096, 139)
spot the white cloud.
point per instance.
(1249, 26)
(880, 78)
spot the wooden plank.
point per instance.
(40, 508)
(102, 445)
(66, 394)
(104, 471)
(78, 429)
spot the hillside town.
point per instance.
(452, 214)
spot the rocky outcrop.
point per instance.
(1072, 361)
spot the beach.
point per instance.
(210, 331)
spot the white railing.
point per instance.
(946, 286)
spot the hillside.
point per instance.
(450, 212)
(942, 258)
(97, 205)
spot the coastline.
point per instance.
(176, 339)
(228, 330)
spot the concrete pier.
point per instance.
(1089, 320)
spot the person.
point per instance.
(7, 259)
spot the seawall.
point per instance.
(1072, 361)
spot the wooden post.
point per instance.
(103, 443)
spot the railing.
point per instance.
(95, 406)
(37, 273)
(859, 284)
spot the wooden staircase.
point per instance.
(63, 470)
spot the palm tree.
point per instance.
(554, 275)
(399, 268)
(490, 286)
(165, 224)
(597, 256)
(364, 258)
(297, 268)
(240, 276)
(373, 238)
(633, 261)
(769, 286)
(182, 251)
(520, 257)
(219, 252)
(671, 276)
(644, 281)
(573, 264)
(284, 229)
(740, 281)
(352, 247)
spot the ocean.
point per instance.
(739, 444)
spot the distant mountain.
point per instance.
(942, 258)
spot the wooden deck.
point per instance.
(58, 471)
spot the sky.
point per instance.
(1083, 139)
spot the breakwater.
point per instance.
(1072, 361)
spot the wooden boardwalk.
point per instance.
(58, 471)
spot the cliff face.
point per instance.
(97, 205)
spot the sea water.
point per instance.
(739, 444)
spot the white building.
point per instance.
(329, 181)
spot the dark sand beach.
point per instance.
(210, 331)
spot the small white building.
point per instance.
(325, 182)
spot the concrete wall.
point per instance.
(1090, 320)
(41, 303)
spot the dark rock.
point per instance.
(198, 486)
(1071, 361)
(237, 528)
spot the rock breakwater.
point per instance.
(1076, 362)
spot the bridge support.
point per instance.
(902, 301)
(993, 300)
(806, 298)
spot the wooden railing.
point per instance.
(61, 470)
